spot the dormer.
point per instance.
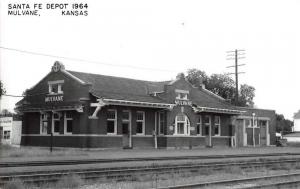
(182, 94)
(56, 87)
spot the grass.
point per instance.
(10, 151)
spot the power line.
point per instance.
(12, 95)
(84, 60)
(27, 95)
(236, 56)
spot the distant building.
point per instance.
(10, 131)
(97, 111)
(297, 122)
(295, 135)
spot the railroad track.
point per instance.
(247, 183)
(131, 173)
(93, 161)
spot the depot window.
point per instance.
(6, 135)
(199, 125)
(182, 125)
(56, 87)
(217, 127)
(161, 123)
(181, 94)
(140, 123)
(68, 122)
(111, 121)
(44, 123)
(55, 122)
(262, 123)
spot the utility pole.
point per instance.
(236, 55)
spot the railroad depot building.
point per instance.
(96, 111)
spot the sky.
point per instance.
(164, 38)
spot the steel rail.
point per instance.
(239, 181)
(215, 165)
(123, 172)
(115, 160)
(276, 185)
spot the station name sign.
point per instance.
(183, 102)
(54, 98)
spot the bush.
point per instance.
(15, 184)
(70, 181)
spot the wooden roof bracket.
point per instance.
(101, 103)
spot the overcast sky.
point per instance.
(167, 37)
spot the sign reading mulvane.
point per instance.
(183, 102)
(54, 98)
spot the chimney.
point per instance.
(180, 76)
(201, 85)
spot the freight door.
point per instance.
(263, 136)
(126, 136)
(207, 130)
(249, 136)
(240, 132)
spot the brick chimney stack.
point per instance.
(201, 85)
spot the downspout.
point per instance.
(155, 130)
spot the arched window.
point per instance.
(182, 125)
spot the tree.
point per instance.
(283, 125)
(196, 77)
(2, 89)
(247, 94)
(6, 112)
(222, 85)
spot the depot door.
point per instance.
(207, 130)
(126, 129)
(263, 132)
(125, 132)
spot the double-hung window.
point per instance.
(55, 87)
(68, 122)
(6, 135)
(43, 123)
(140, 123)
(262, 123)
(161, 122)
(55, 122)
(250, 123)
(199, 125)
(182, 125)
(217, 127)
(181, 94)
(111, 121)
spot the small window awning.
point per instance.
(198, 109)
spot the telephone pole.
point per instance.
(236, 55)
